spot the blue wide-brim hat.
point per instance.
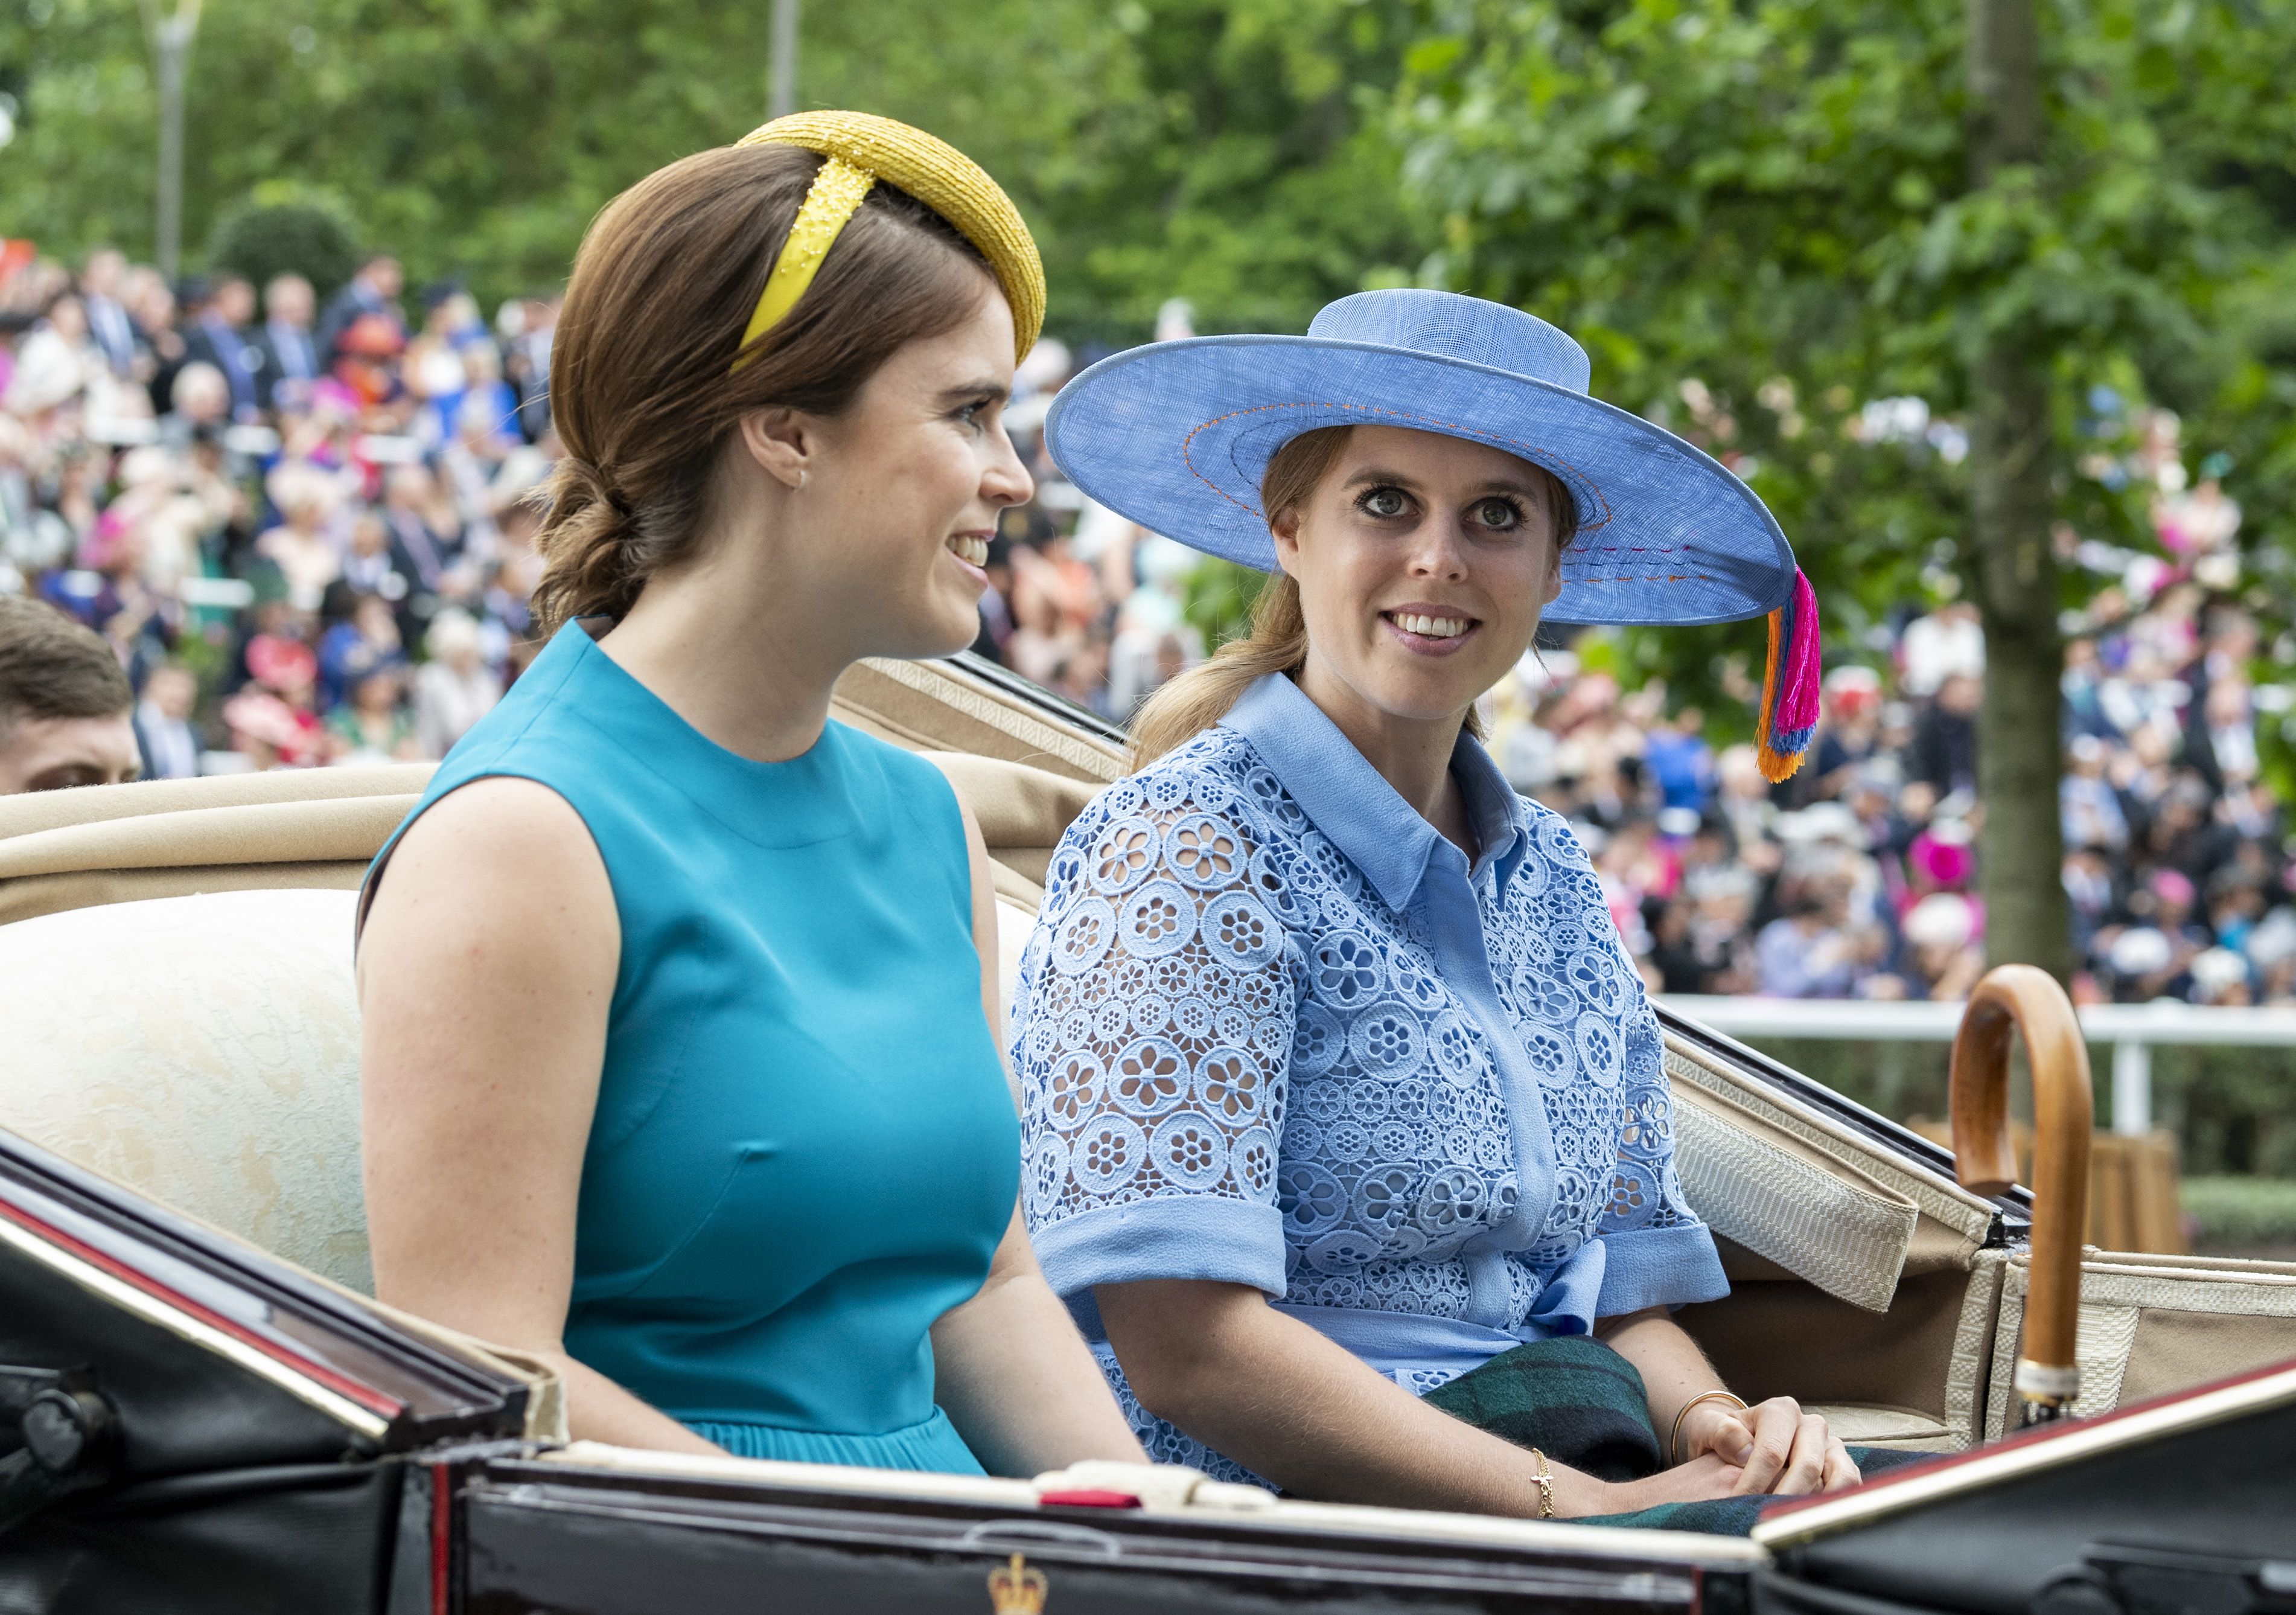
(1177, 436)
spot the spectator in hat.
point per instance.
(1943, 960)
(373, 292)
(301, 546)
(284, 670)
(1849, 734)
(373, 725)
(65, 707)
(53, 361)
(366, 638)
(455, 688)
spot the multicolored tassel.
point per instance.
(1790, 685)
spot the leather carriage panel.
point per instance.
(1954, 1223)
(928, 707)
(1783, 1198)
(53, 810)
(1927, 1356)
(2149, 1325)
(1023, 811)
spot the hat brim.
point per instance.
(1178, 436)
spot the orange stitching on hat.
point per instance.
(1535, 454)
(1667, 577)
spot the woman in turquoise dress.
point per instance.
(680, 1065)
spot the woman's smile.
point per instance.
(970, 551)
(1429, 629)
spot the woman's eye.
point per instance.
(1502, 515)
(1383, 503)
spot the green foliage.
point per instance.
(2230, 1108)
(284, 228)
(1218, 599)
(2238, 1213)
(1230, 152)
(1760, 219)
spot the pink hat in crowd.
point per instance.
(100, 548)
(256, 714)
(1943, 856)
(282, 663)
(2172, 885)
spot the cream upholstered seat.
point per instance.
(205, 1052)
(202, 1050)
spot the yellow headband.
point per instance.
(861, 150)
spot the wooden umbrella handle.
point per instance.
(2019, 996)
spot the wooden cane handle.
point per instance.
(2032, 1002)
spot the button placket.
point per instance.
(1455, 914)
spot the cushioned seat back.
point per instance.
(203, 1051)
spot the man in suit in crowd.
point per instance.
(435, 563)
(107, 321)
(64, 704)
(289, 353)
(373, 290)
(219, 336)
(163, 723)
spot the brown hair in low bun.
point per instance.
(643, 391)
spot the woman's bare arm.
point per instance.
(1010, 1369)
(485, 973)
(1272, 1393)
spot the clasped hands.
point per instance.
(1774, 1446)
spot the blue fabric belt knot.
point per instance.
(1400, 1343)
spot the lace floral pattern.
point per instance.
(1215, 1004)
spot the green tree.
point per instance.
(283, 228)
(1227, 151)
(1768, 220)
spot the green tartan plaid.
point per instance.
(1582, 1404)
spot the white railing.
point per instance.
(2132, 1030)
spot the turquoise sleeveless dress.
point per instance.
(804, 1151)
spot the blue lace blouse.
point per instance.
(1273, 1029)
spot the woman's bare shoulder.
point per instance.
(501, 860)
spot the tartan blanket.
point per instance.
(1582, 1404)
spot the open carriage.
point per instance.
(201, 1408)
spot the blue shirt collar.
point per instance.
(1351, 802)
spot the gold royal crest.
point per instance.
(1017, 1588)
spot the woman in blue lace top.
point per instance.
(1341, 1094)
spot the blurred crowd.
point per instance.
(300, 526)
(1859, 878)
(297, 524)
(1082, 601)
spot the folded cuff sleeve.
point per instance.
(1660, 1267)
(1170, 1237)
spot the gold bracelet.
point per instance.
(1545, 1479)
(1674, 1440)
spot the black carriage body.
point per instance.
(544, 1537)
(282, 1446)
